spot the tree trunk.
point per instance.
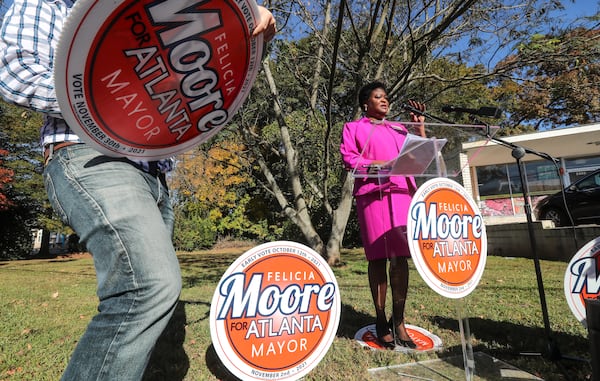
(338, 225)
(45, 245)
(297, 210)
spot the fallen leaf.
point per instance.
(13, 371)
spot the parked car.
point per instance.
(582, 200)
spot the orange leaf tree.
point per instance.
(214, 196)
(6, 177)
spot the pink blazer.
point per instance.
(364, 142)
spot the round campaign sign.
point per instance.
(582, 278)
(150, 79)
(425, 340)
(447, 237)
(275, 312)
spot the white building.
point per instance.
(492, 173)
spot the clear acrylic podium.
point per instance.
(438, 155)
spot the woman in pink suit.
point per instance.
(382, 206)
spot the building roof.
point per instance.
(568, 142)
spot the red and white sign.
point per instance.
(447, 237)
(582, 278)
(149, 79)
(275, 312)
(425, 340)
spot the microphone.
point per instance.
(408, 107)
(482, 111)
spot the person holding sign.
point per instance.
(119, 208)
(382, 204)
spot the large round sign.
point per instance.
(275, 312)
(582, 278)
(150, 79)
(447, 237)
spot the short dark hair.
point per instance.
(366, 90)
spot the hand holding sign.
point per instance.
(147, 80)
(266, 24)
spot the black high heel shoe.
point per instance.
(381, 333)
(398, 341)
(405, 343)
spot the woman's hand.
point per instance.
(265, 25)
(414, 117)
(418, 118)
(375, 166)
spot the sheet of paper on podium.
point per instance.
(416, 155)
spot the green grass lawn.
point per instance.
(45, 306)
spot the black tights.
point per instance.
(378, 280)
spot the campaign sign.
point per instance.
(275, 312)
(582, 278)
(447, 237)
(148, 79)
(425, 340)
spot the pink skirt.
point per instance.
(382, 218)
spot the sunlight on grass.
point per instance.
(46, 304)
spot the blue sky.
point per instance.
(489, 57)
(575, 8)
(583, 8)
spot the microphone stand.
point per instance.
(552, 351)
(518, 152)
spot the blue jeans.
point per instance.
(124, 217)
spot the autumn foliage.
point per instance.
(6, 177)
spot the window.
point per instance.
(504, 180)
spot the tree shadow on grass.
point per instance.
(169, 360)
(519, 338)
(216, 366)
(351, 321)
(520, 344)
(205, 269)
